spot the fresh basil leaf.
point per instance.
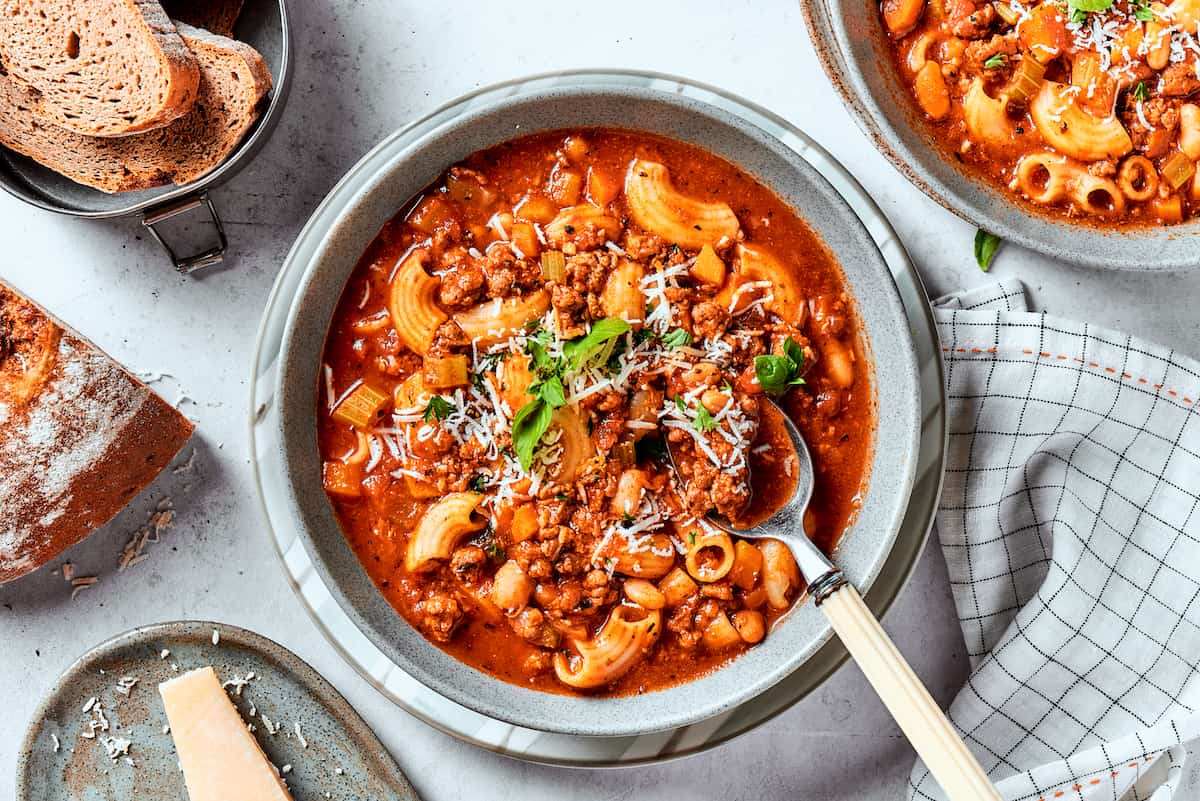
(680, 405)
(792, 349)
(538, 356)
(773, 373)
(529, 424)
(985, 248)
(1143, 13)
(677, 339)
(551, 391)
(1090, 5)
(580, 350)
(438, 408)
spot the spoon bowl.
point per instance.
(932, 735)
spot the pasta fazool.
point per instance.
(1092, 113)
(506, 368)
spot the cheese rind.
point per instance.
(220, 758)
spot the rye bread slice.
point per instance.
(79, 436)
(218, 16)
(233, 81)
(100, 67)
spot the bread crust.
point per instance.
(101, 68)
(218, 16)
(79, 436)
(234, 80)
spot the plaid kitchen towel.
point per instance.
(1070, 522)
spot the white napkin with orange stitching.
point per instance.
(1070, 521)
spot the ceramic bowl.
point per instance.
(852, 45)
(393, 182)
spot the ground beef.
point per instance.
(571, 310)
(968, 20)
(709, 320)
(1179, 80)
(610, 426)
(467, 561)
(588, 272)
(439, 614)
(1162, 114)
(643, 247)
(979, 51)
(448, 338)
(461, 285)
(532, 625)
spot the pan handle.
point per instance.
(187, 264)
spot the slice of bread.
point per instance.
(79, 436)
(218, 16)
(233, 81)
(101, 67)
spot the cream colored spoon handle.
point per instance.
(920, 718)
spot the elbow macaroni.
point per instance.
(617, 647)
(441, 527)
(656, 206)
(412, 305)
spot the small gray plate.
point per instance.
(284, 690)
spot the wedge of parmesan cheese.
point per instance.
(221, 761)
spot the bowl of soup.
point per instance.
(492, 351)
(1074, 133)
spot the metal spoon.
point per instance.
(922, 721)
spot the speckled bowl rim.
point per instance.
(282, 303)
(849, 40)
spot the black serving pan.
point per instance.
(263, 25)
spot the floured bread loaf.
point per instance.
(79, 436)
(100, 67)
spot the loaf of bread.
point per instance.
(101, 67)
(233, 81)
(218, 16)
(79, 436)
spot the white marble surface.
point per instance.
(364, 68)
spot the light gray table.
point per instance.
(364, 68)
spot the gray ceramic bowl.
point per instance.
(850, 40)
(864, 548)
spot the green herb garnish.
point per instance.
(1140, 91)
(704, 421)
(580, 351)
(478, 484)
(995, 62)
(493, 549)
(776, 374)
(985, 248)
(438, 408)
(677, 339)
(1081, 8)
(691, 538)
(529, 424)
